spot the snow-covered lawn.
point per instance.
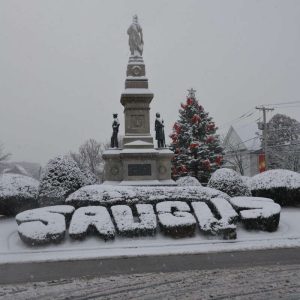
(12, 249)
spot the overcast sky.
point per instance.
(63, 65)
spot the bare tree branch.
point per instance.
(89, 157)
(3, 155)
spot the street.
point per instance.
(268, 282)
(263, 274)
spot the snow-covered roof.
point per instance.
(244, 136)
(16, 169)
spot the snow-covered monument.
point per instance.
(137, 161)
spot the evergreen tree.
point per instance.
(283, 138)
(195, 143)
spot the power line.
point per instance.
(245, 115)
(289, 106)
(235, 145)
(281, 103)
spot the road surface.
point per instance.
(268, 274)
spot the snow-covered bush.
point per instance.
(90, 178)
(17, 193)
(44, 225)
(60, 178)
(127, 226)
(92, 219)
(247, 181)
(130, 195)
(188, 181)
(209, 224)
(175, 219)
(283, 186)
(229, 182)
(257, 213)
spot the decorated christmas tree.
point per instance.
(194, 141)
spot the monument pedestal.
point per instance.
(138, 166)
(138, 162)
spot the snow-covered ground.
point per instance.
(12, 249)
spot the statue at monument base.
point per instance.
(115, 125)
(159, 131)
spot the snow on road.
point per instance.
(260, 283)
(12, 249)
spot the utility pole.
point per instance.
(264, 127)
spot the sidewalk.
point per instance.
(13, 250)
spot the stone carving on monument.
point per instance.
(138, 161)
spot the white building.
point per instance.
(242, 147)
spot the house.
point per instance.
(22, 168)
(242, 147)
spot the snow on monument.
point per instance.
(138, 162)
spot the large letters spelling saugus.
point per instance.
(174, 218)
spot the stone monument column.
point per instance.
(138, 162)
(136, 97)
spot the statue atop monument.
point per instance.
(135, 33)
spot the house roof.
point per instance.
(244, 136)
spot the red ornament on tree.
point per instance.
(183, 169)
(183, 106)
(189, 101)
(206, 164)
(210, 126)
(173, 136)
(194, 145)
(210, 139)
(219, 159)
(177, 128)
(196, 119)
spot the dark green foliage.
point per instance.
(281, 195)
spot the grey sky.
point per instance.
(63, 64)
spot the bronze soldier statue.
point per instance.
(115, 126)
(159, 131)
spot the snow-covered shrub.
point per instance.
(229, 182)
(44, 225)
(60, 178)
(283, 186)
(188, 181)
(247, 181)
(130, 195)
(209, 224)
(127, 226)
(92, 219)
(175, 219)
(90, 177)
(257, 213)
(17, 193)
